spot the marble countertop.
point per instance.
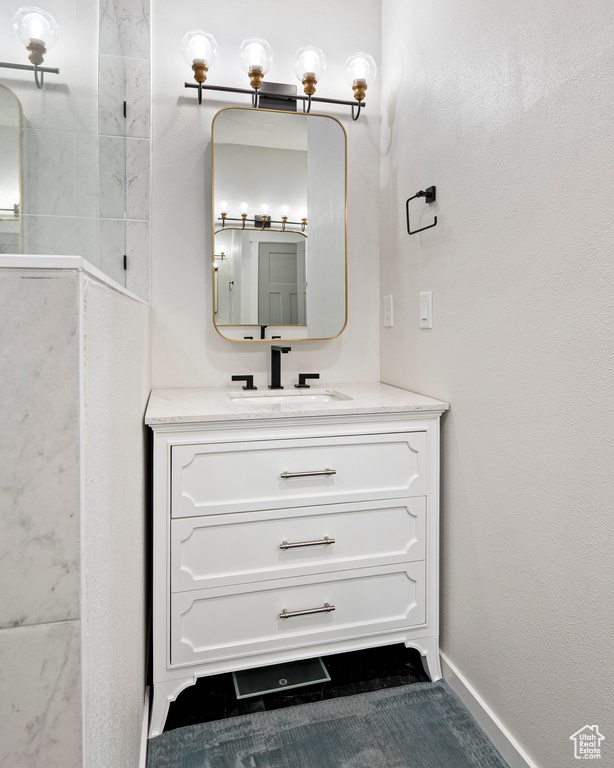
(179, 406)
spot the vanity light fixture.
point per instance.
(38, 31)
(309, 66)
(360, 70)
(256, 57)
(199, 50)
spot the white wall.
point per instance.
(116, 384)
(187, 351)
(507, 109)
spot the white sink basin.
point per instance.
(296, 397)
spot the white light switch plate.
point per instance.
(388, 312)
(426, 309)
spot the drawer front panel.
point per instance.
(223, 477)
(215, 624)
(219, 550)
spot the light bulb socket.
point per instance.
(309, 82)
(223, 215)
(360, 89)
(200, 70)
(284, 219)
(37, 51)
(244, 216)
(255, 77)
(303, 221)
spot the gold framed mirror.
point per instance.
(11, 202)
(279, 211)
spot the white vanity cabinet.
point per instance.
(285, 534)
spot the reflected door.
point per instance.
(281, 284)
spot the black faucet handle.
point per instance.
(248, 379)
(302, 378)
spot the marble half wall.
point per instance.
(75, 378)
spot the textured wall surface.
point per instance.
(187, 349)
(507, 108)
(116, 388)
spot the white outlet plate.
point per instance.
(388, 309)
(426, 309)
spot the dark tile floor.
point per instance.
(214, 698)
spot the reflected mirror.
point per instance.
(10, 171)
(279, 225)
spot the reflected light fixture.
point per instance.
(265, 210)
(256, 57)
(38, 31)
(263, 219)
(284, 212)
(223, 208)
(309, 65)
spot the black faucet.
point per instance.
(248, 379)
(302, 379)
(276, 353)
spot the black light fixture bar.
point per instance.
(279, 97)
(33, 68)
(259, 223)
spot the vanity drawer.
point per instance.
(235, 477)
(221, 623)
(229, 549)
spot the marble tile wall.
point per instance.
(39, 358)
(124, 142)
(40, 706)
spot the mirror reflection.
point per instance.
(10, 172)
(279, 223)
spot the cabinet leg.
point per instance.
(163, 694)
(429, 650)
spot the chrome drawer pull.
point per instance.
(286, 614)
(285, 475)
(294, 545)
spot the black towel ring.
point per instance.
(429, 197)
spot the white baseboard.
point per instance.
(144, 731)
(503, 740)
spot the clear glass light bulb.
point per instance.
(309, 61)
(199, 46)
(223, 206)
(360, 67)
(284, 211)
(35, 24)
(244, 208)
(255, 53)
(265, 209)
(303, 213)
